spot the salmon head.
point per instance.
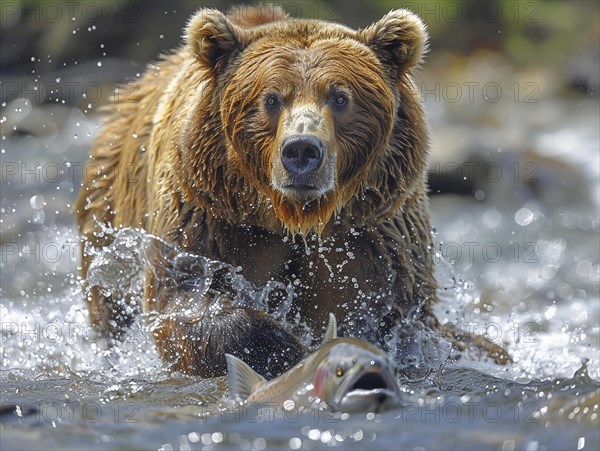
(356, 376)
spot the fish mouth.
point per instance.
(369, 391)
(369, 381)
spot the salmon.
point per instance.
(346, 374)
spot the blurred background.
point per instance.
(511, 93)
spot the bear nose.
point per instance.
(301, 154)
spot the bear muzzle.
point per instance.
(304, 161)
(306, 169)
(301, 155)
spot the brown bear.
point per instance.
(295, 149)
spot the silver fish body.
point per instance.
(347, 374)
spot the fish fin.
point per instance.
(331, 331)
(242, 379)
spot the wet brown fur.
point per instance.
(191, 154)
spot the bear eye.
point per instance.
(340, 101)
(272, 102)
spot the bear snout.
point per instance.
(304, 169)
(301, 155)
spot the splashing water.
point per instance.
(121, 267)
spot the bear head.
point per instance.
(316, 114)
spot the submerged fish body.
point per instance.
(347, 374)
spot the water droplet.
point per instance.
(550, 311)
(314, 434)
(37, 202)
(259, 443)
(358, 435)
(288, 404)
(326, 436)
(206, 439)
(524, 216)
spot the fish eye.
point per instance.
(339, 372)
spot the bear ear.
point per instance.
(212, 38)
(399, 39)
